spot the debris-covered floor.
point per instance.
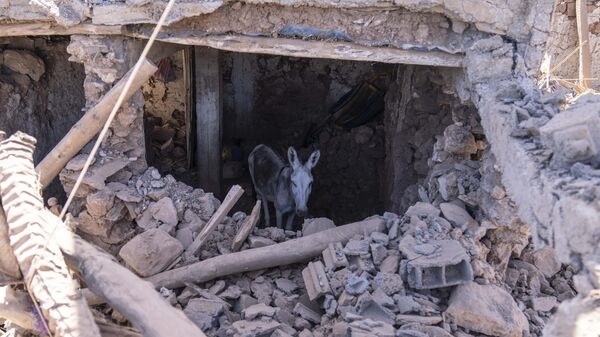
(466, 204)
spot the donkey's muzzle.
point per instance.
(301, 212)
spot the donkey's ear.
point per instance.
(293, 157)
(313, 159)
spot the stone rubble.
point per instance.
(458, 263)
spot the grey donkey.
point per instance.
(287, 185)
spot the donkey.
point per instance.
(287, 186)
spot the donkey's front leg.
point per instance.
(278, 215)
(266, 211)
(290, 221)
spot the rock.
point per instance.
(312, 226)
(262, 289)
(150, 252)
(546, 303)
(422, 209)
(545, 260)
(203, 312)
(129, 195)
(368, 327)
(306, 333)
(418, 329)
(407, 304)
(99, 203)
(378, 237)
(233, 292)
(259, 241)
(390, 264)
(164, 210)
(307, 313)
(244, 302)
(457, 215)
(458, 140)
(369, 308)
(378, 253)
(356, 247)
(286, 285)
(356, 285)
(24, 62)
(486, 309)
(185, 236)
(77, 163)
(390, 284)
(253, 328)
(427, 320)
(256, 310)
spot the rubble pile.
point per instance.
(457, 263)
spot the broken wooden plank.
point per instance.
(89, 125)
(246, 227)
(232, 197)
(281, 254)
(314, 49)
(38, 255)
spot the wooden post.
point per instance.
(188, 83)
(246, 228)
(209, 116)
(583, 32)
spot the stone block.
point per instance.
(24, 62)
(315, 280)
(445, 264)
(150, 252)
(486, 309)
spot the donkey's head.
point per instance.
(302, 179)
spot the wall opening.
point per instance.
(374, 166)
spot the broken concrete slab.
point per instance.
(315, 225)
(446, 263)
(369, 308)
(390, 284)
(390, 264)
(487, 309)
(356, 247)
(151, 252)
(356, 285)
(427, 320)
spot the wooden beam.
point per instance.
(281, 254)
(315, 49)
(41, 29)
(583, 33)
(232, 197)
(89, 125)
(190, 108)
(209, 117)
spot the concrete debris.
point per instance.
(243, 328)
(307, 313)
(457, 216)
(443, 263)
(150, 252)
(315, 280)
(334, 257)
(258, 310)
(356, 247)
(486, 309)
(356, 285)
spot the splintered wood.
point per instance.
(246, 228)
(232, 197)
